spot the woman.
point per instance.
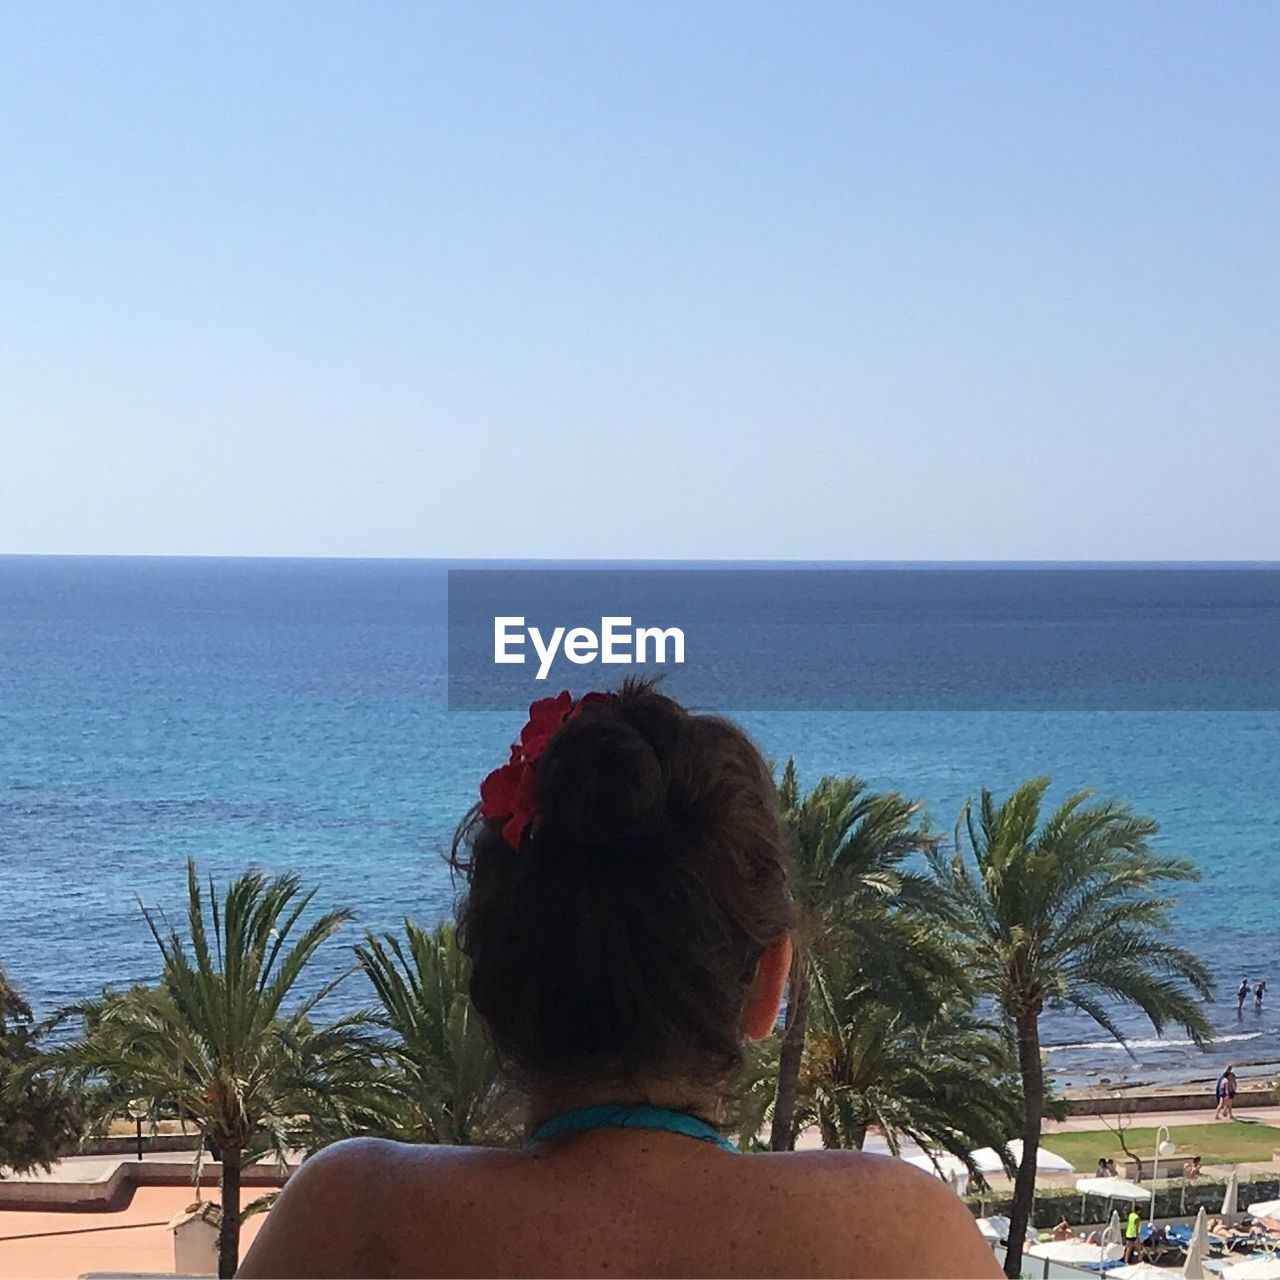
(627, 921)
(1226, 1092)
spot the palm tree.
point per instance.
(849, 845)
(942, 1077)
(38, 1116)
(1068, 911)
(12, 1005)
(751, 1101)
(443, 1086)
(214, 1042)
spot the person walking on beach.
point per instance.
(1259, 989)
(1226, 1092)
(1242, 992)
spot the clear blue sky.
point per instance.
(693, 280)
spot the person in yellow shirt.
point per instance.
(1132, 1226)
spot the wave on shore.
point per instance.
(1158, 1060)
(1155, 1042)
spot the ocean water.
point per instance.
(292, 715)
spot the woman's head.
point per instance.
(622, 937)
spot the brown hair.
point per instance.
(621, 939)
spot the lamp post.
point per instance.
(1163, 1148)
(138, 1109)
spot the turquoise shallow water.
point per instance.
(291, 715)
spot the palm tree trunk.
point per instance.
(828, 1129)
(1024, 1185)
(782, 1135)
(229, 1231)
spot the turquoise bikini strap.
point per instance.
(630, 1117)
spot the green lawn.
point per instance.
(1220, 1143)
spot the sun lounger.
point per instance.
(1166, 1250)
(1248, 1241)
(1180, 1234)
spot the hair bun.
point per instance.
(620, 941)
(600, 784)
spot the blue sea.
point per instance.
(293, 715)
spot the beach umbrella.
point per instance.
(1068, 1251)
(879, 1144)
(1266, 1267)
(1140, 1271)
(1046, 1161)
(1229, 1199)
(1000, 1225)
(949, 1168)
(1113, 1233)
(1197, 1249)
(1265, 1208)
(1113, 1239)
(1111, 1189)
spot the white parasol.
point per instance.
(1197, 1249)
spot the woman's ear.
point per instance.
(765, 998)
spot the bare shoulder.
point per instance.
(299, 1234)
(884, 1217)
(328, 1219)
(346, 1171)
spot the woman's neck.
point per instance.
(694, 1099)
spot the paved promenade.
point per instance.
(136, 1239)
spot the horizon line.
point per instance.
(695, 561)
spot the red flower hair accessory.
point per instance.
(510, 792)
